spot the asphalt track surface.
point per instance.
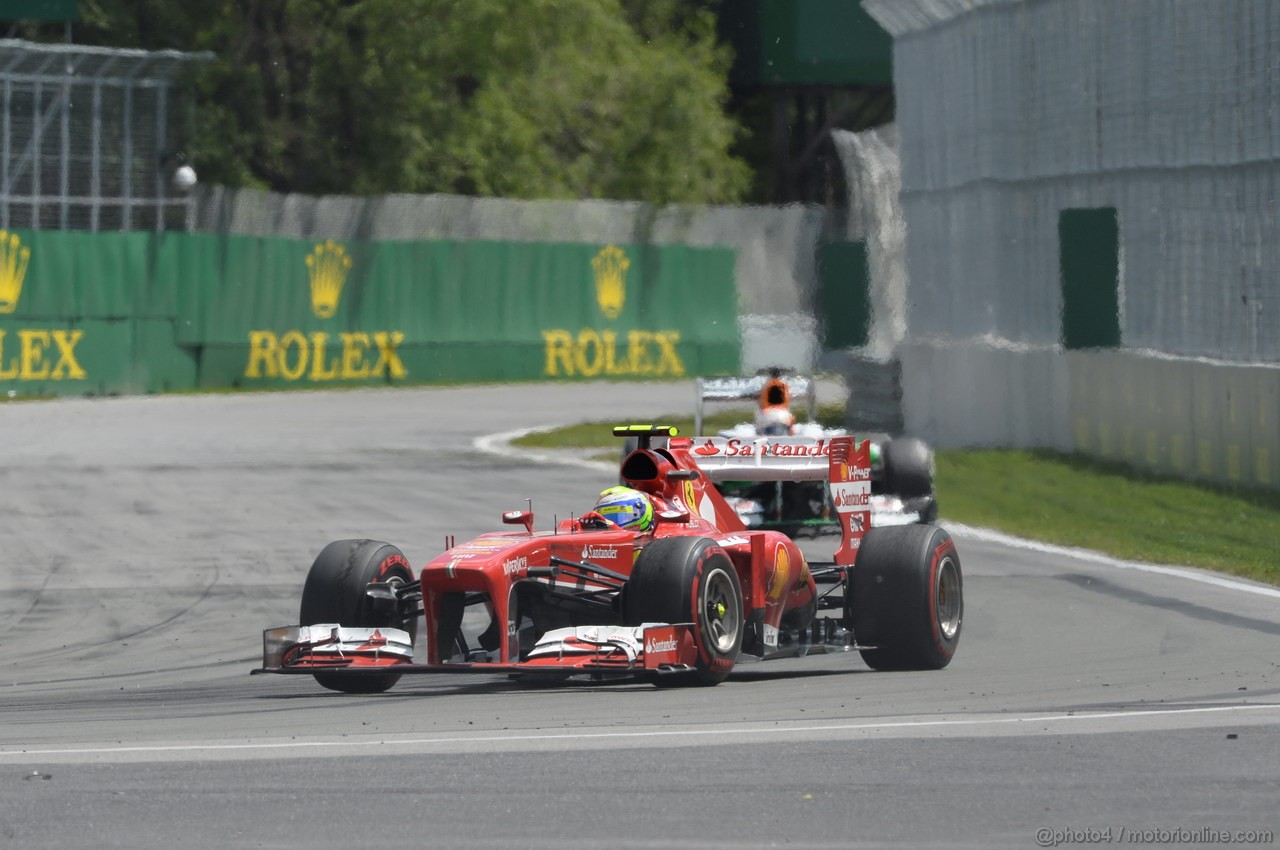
(146, 542)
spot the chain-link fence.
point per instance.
(87, 137)
(1011, 112)
(1137, 140)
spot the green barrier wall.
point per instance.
(135, 312)
(80, 313)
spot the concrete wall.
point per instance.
(1192, 418)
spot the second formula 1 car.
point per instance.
(902, 468)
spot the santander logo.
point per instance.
(590, 551)
(762, 447)
(851, 496)
(654, 646)
(847, 499)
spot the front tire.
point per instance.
(908, 468)
(335, 593)
(907, 598)
(690, 580)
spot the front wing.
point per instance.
(652, 647)
(885, 510)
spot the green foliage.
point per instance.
(558, 99)
(571, 99)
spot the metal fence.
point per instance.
(1010, 112)
(87, 137)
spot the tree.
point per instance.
(621, 99)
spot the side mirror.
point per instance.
(674, 516)
(524, 518)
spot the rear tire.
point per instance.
(335, 593)
(908, 468)
(690, 580)
(907, 598)
(926, 507)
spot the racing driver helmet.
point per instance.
(774, 421)
(626, 507)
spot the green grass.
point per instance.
(599, 435)
(1075, 501)
(1063, 499)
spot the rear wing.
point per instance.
(799, 387)
(844, 465)
(762, 458)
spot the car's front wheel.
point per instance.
(335, 593)
(690, 580)
(908, 468)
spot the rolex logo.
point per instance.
(610, 267)
(328, 265)
(13, 269)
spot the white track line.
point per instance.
(500, 445)
(752, 732)
(1108, 561)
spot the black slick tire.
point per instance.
(907, 598)
(690, 580)
(908, 468)
(335, 593)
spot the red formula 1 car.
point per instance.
(681, 602)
